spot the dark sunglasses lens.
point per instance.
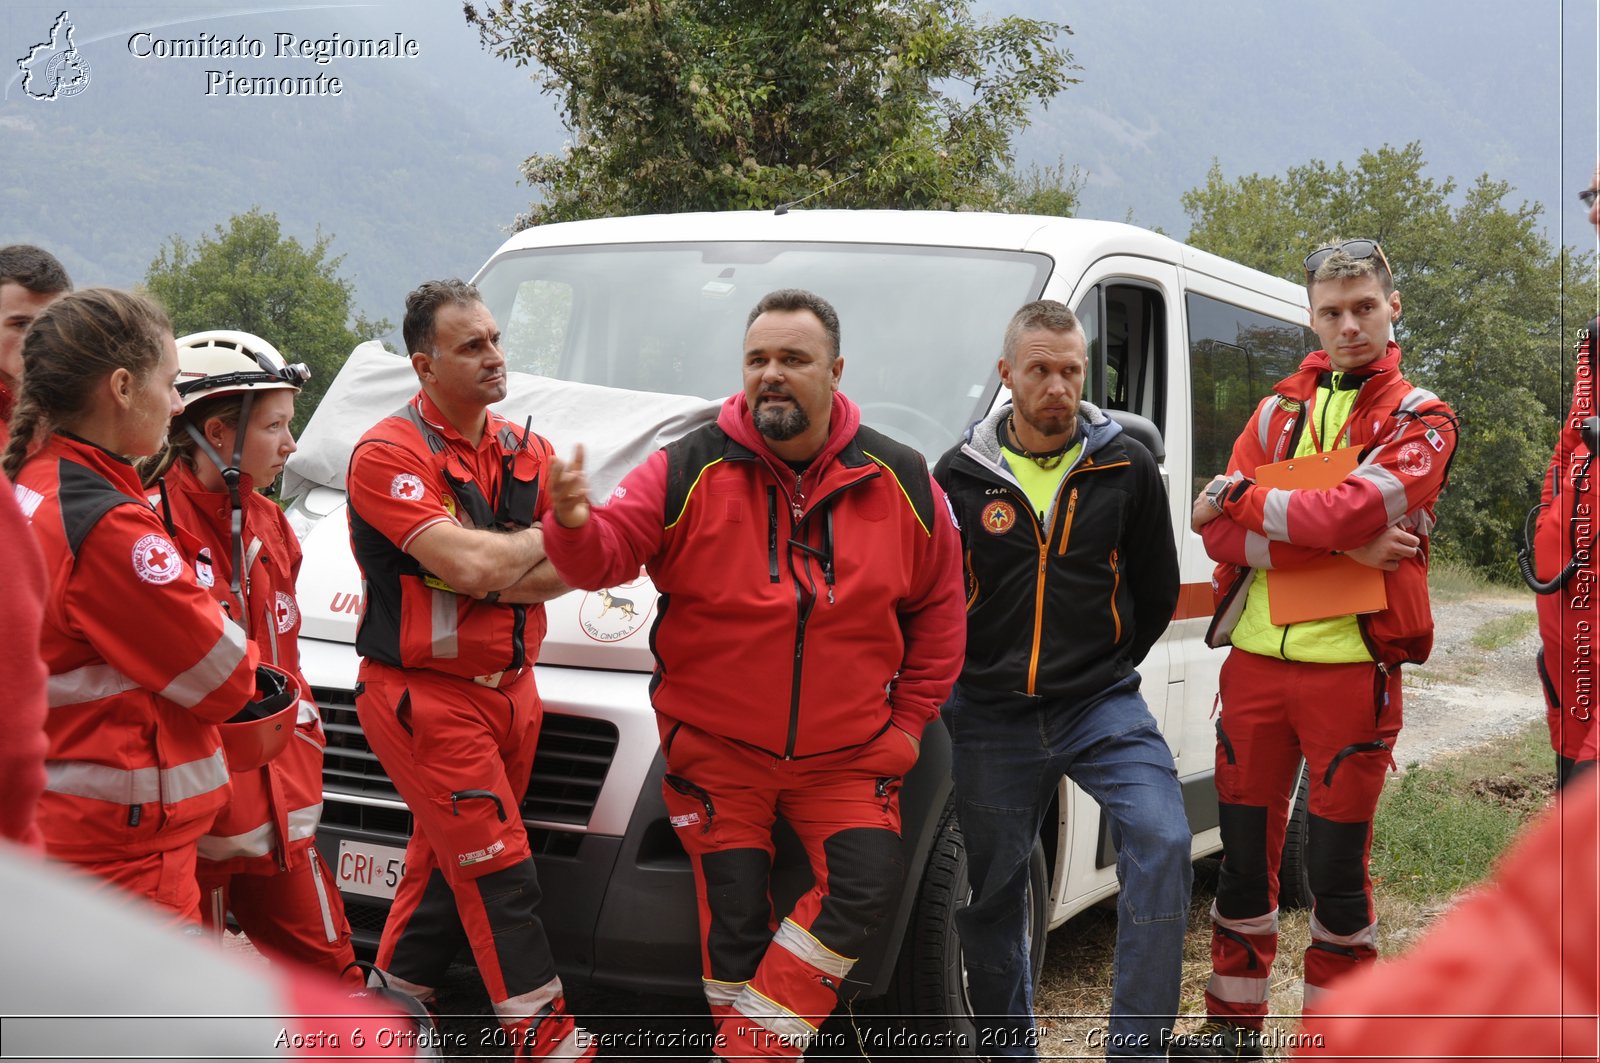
(1589, 195)
(1316, 258)
(1359, 248)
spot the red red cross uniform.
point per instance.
(259, 859)
(143, 664)
(453, 675)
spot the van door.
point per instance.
(1129, 309)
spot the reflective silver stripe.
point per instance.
(1257, 550)
(307, 713)
(809, 950)
(1417, 397)
(102, 782)
(1260, 924)
(1237, 990)
(376, 980)
(527, 1005)
(329, 931)
(89, 683)
(1389, 486)
(1264, 420)
(137, 786)
(1366, 937)
(1311, 995)
(444, 625)
(183, 781)
(723, 993)
(258, 841)
(1422, 522)
(775, 1018)
(201, 681)
(1275, 515)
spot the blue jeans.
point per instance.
(1010, 751)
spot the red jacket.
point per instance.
(797, 635)
(1508, 973)
(412, 470)
(142, 663)
(22, 674)
(1407, 435)
(284, 798)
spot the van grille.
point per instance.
(569, 768)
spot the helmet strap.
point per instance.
(230, 477)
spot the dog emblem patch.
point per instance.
(614, 613)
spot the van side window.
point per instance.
(1235, 356)
(1125, 325)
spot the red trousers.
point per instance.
(1569, 625)
(166, 879)
(770, 984)
(295, 915)
(460, 754)
(1343, 719)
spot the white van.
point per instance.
(625, 333)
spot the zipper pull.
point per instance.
(798, 500)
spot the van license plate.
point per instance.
(371, 870)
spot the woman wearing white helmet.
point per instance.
(259, 859)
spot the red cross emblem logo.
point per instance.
(156, 560)
(407, 486)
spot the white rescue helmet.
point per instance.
(261, 730)
(229, 362)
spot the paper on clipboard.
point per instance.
(1335, 585)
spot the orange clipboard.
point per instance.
(1335, 585)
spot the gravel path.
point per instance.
(1466, 694)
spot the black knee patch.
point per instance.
(433, 936)
(740, 910)
(1242, 883)
(1336, 863)
(510, 898)
(865, 876)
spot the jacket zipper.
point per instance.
(1116, 585)
(803, 609)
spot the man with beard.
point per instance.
(1072, 575)
(810, 626)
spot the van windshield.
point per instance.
(920, 327)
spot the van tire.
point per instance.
(928, 992)
(1294, 869)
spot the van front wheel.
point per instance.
(928, 992)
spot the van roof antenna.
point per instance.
(783, 208)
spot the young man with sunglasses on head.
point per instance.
(1562, 544)
(1326, 689)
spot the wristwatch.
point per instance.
(1214, 492)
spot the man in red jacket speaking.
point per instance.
(811, 624)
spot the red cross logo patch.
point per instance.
(156, 560)
(407, 486)
(288, 613)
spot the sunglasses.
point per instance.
(1356, 249)
(1589, 195)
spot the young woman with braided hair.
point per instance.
(143, 664)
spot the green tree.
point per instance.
(249, 276)
(681, 105)
(1490, 309)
